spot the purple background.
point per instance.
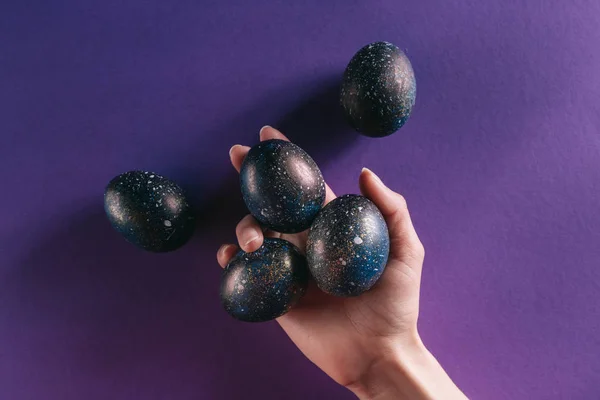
(499, 164)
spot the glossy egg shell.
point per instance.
(149, 210)
(282, 186)
(265, 284)
(348, 246)
(378, 90)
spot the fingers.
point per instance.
(329, 195)
(237, 154)
(249, 234)
(268, 132)
(226, 253)
(405, 245)
(250, 238)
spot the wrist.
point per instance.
(405, 370)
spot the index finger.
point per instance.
(268, 132)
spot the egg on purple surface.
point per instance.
(282, 186)
(149, 210)
(348, 246)
(378, 89)
(265, 284)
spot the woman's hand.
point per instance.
(368, 343)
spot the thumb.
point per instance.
(405, 245)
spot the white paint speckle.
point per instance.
(244, 281)
(344, 262)
(353, 284)
(357, 240)
(167, 223)
(360, 208)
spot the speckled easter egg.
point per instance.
(348, 246)
(282, 186)
(149, 210)
(265, 284)
(378, 90)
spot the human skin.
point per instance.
(370, 343)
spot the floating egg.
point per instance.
(378, 90)
(265, 284)
(149, 210)
(282, 186)
(348, 246)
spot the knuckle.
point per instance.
(419, 250)
(416, 250)
(401, 202)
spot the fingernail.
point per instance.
(262, 129)
(254, 238)
(374, 176)
(222, 249)
(232, 147)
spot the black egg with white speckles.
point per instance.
(348, 246)
(378, 90)
(149, 210)
(265, 284)
(282, 186)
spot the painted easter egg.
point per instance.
(149, 210)
(378, 90)
(265, 284)
(282, 186)
(348, 246)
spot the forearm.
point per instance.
(409, 372)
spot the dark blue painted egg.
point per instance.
(265, 284)
(282, 186)
(348, 246)
(149, 210)
(378, 90)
